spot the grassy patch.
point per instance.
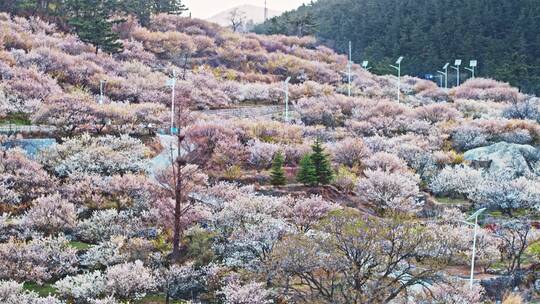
(452, 201)
(80, 245)
(157, 299)
(42, 291)
(18, 119)
(515, 213)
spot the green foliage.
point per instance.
(321, 162)
(175, 7)
(233, 172)
(91, 20)
(277, 174)
(80, 245)
(307, 174)
(42, 290)
(18, 119)
(200, 242)
(315, 168)
(428, 34)
(345, 178)
(142, 9)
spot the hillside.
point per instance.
(341, 199)
(253, 15)
(502, 35)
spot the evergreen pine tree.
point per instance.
(277, 174)
(321, 163)
(174, 7)
(92, 22)
(142, 9)
(307, 174)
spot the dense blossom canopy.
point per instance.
(369, 199)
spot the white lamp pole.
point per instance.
(473, 64)
(398, 68)
(475, 225)
(172, 83)
(101, 83)
(349, 65)
(287, 99)
(445, 74)
(456, 66)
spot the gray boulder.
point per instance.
(512, 158)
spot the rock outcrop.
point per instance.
(503, 156)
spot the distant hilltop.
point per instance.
(253, 15)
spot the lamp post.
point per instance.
(101, 85)
(349, 66)
(475, 225)
(456, 66)
(172, 82)
(398, 68)
(287, 98)
(365, 65)
(473, 64)
(445, 74)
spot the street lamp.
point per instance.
(101, 84)
(365, 65)
(445, 74)
(172, 82)
(398, 68)
(349, 66)
(473, 64)
(456, 66)
(475, 225)
(287, 98)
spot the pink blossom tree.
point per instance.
(22, 179)
(389, 191)
(304, 213)
(237, 293)
(51, 214)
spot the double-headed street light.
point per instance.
(475, 225)
(456, 66)
(172, 82)
(445, 74)
(349, 66)
(398, 68)
(101, 87)
(287, 98)
(473, 64)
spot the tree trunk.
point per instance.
(179, 202)
(177, 210)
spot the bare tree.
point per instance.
(357, 259)
(181, 178)
(516, 236)
(237, 19)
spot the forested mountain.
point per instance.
(503, 35)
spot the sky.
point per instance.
(207, 8)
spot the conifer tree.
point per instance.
(307, 174)
(91, 20)
(174, 7)
(277, 173)
(323, 169)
